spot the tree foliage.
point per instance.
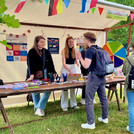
(10, 21)
(122, 34)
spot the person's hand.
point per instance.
(78, 55)
(71, 73)
(30, 78)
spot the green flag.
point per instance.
(93, 10)
(46, 1)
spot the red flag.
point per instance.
(19, 7)
(100, 10)
(132, 17)
(54, 12)
(93, 3)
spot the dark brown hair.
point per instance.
(90, 36)
(36, 40)
(66, 49)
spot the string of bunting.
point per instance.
(56, 7)
(17, 36)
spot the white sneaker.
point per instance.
(103, 120)
(65, 109)
(39, 112)
(94, 101)
(88, 126)
(75, 107)
(35, 109)
(127, 128)
(82, 102)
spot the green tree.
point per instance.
(10, 21)
(121, 34)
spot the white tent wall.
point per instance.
(16, 70)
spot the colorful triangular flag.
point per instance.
(54, 12)
(87, 7)
(66, 2)
(83, 6)
(60, 7)
(50, 7)
(93, 10)
(100, 10)
(20, 5)
(46, 1)
(132, 17)
(93, 3)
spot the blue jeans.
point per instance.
(40, 102)
(95, 84)
(130, 97)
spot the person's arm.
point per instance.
(77, 63)
(30, 78)
(85, 62)
(30, 65)
(64, 62)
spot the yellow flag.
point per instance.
(60, 7)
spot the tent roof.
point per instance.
(36, 12)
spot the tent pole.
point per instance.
(106, 36)
(62, 27)
(112, 4)
(129, 38)
(121, 26)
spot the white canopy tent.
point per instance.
(37, 13)
(34, 16)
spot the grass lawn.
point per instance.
(56, 122)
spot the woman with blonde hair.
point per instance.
(69, 60)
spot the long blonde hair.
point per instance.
(36, 40)
(66, 48)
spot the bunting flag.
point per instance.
(66, 2)
(93, 3)
(83, 6)
(132, 17)
(60, 7)
(54, 12)
(19, 7)
(46, 1)
(93, 10)
(50, 7)
(87, 7)
(100, 10)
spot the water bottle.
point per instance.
(45, 73)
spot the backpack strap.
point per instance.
(129, 62)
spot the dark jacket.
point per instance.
(35, 62)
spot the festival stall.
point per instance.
(42, 18)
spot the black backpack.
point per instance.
(131, 76)
(104, 64)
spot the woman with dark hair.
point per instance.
(40, 63)
(69, 68)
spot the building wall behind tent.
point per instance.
(16, 71)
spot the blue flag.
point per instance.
(66, 2)
(83, 6)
